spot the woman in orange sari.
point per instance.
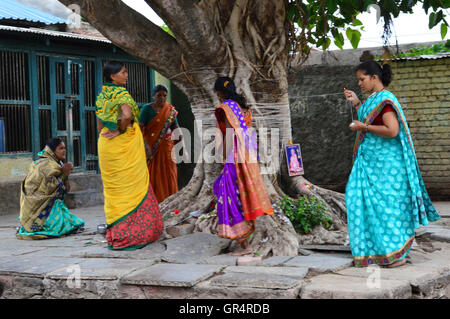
(158, 121)
(239, 190)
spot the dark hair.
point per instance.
(384, 72)
(111, 67)
(228, 88)
(159, 87)
(53, 143)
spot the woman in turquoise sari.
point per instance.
(385, 195)
(43, 213)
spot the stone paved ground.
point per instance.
(195, 266)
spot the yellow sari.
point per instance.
(132, 212)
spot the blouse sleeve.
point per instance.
(147, 114)
(388, 108)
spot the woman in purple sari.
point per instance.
(239, 190)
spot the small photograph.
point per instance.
(294, 159)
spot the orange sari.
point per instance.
(161, 167)
(253, 200)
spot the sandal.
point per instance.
(396, 264)
(241, 252)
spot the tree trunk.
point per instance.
(243, 39)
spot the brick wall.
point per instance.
(423, 89)
(320, 123)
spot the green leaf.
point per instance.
(339, 40)
(443, 30)
(432, 20)
(291, 12)
(357, 22)
(366, 4)
(426, 5)
(331, 6)
(354, 36)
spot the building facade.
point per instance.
(49, 83)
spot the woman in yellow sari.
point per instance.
(132, 212)
(158, 120)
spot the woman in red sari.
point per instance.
(158, 121)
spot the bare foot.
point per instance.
(241, 252)
(397, 264)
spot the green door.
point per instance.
(67, 94)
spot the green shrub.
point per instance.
(305, 213)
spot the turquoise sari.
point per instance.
(385, 195)
(59, 222)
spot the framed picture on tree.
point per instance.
(294, 159)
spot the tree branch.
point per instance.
(192, 26)
(134, 33)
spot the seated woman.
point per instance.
(43, 213)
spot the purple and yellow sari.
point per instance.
(239, 190)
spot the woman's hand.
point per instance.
(356, 126)
(352, 97)
(67, 168)
(110, 134)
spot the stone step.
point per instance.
(332, 286)
(85, 198)
(84, 181)
(79, 182)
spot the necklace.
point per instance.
(375, 93)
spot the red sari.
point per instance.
(161, 167)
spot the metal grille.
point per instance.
(16, 118)
(61, 115)
(76, 151)
(43, 80)
(60, 79)
(76, 115)
(45, 127)
(92, 165)
(91, 133)
(138, 83)
(74, 77)
(14, 76)
(89, 83)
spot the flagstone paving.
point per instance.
(197, 266)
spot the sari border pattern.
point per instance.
(170, 119)
(239, 232)
(127, 215)
(364, 261)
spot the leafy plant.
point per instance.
(424, 50)
(305, 213)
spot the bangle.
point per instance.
(64, 177)
(366, 128)
(357, 104)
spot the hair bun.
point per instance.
(386, 74)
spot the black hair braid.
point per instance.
(228, 88)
